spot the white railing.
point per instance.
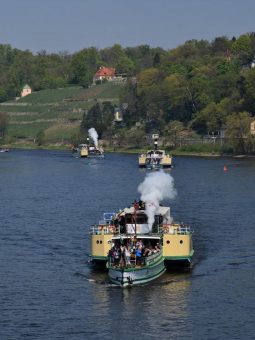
(184, 230)
(104, 229)
(176, 228)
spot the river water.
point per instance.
(47, 289)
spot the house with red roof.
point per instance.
(104, 73)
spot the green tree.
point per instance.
(40, 138)
(173, 132)
(221, 46)
(178, 103)
(242, 49)
(156, 59)
(128, 95)
(93, 118)
(249, 91)
(107, 114)
(4, 120)
(148, 90)
(210, 119)
(132, 138)
(238, 130)
(3, 95)
(84, 65)
(135, 137)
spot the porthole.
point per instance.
(168, 242)
(181, 242)
(97, 241)
(101, 242)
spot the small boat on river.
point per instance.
(134, 253)
(4, 150)
(88, 151)
(156, 158)
(80, 151)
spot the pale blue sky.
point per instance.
(57, 25)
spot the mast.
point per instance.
(136, 207)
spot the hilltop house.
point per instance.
(26, 91)
(108, 74)
(104, 73)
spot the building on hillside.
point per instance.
(108, 74)
(118, 117)
(104, 73)
(26, 91)
(253, 127)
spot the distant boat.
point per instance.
(88, 151)
(4, 150)
(155, 159)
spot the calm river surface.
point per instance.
(48, 200)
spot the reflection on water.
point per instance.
(151, 309)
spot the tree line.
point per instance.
(200, 87)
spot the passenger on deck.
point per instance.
(111, 255)
(116, 257)
(147, 252)
(127, 255)
(122, 255)
(157, 247)
(141, 205)
(136, 205)
(138, 254)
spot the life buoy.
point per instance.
(112, 229)
(166, 229)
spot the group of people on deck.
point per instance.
(132, 253)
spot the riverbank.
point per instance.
(175, 152)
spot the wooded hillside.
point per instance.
(199, 88)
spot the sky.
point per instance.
(71, 25)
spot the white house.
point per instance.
(26, 91)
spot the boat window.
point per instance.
(158, 220)
(129, 219)
(139, 219)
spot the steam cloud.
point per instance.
(94, 136)
(156, 187)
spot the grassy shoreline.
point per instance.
(176, 152)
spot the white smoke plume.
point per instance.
(156, 187)
(94, 136)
